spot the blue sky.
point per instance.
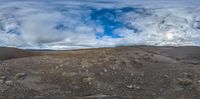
(75, 24)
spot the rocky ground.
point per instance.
(138, 72)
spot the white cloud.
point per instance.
(39, 28)
(67, 25)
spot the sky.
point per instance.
(78, 24)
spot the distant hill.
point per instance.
(9, 53)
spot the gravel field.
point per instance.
(137, 72)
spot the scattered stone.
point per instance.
(101, 73)
(133, 87)
(141, 82)
(96, 96)
(184, 81)
(20, 76)
(137, 87)
(57, 67)
(75, 87)
(1, 81)
(3, 77)
(132, 74)
(198, 81)
(125, 77)
(105, 70)
(61, 65)
(130, 86)
(164, 86)
(135, 61)
(113, 68)
(86, 70)
(166, 76)
(9, 82)
(88, 80)
(68, 75)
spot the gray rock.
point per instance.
(9, 82)
(1, 81)
(3, 77)
(184, 81)
(134, 87)
(20, 76)
(166, 76)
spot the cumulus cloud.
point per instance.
(75, 24)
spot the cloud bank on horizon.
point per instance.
(74, 24)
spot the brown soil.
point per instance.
(138, 72)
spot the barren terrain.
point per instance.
(137, 72)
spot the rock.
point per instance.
(137, 87)
(9, 82)
(133, 87)
(125, 77)
(61, 65)
(69, 74)
(132, 74)
(20, 76)
(1, 81)
(135, 61)
(141, 82)
(88, 80)
(3, 77)
(75, 87)
(113, 68)
(166, 76)
(130, 86)
(198, 81)
(105, 70)
(184, 81)
(101, 73)
(96, 96)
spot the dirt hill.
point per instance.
(9, 53)
(138, 72)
